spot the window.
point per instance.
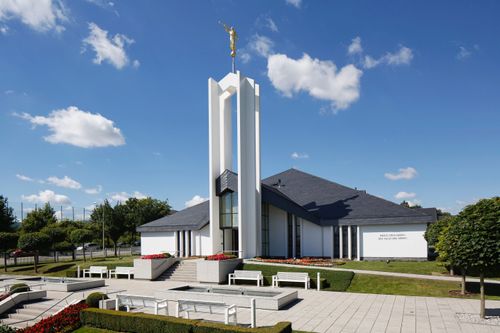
(265, 229)
(354, 241)
(297, 237)
(229, 210)
(345, 242)
(336, 242)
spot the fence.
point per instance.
(67, 256)
(68, 212)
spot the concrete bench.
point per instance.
(187, 306)
(298, 277)
(141, 301)
(128, 271)
(101, 270)
(247, 275)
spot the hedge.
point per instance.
(93, 299)
(148, 323)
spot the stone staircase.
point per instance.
(25, 314)
(184, 270)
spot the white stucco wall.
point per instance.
(312, 239)
(327, 241)
(205, 241)
(157, 242)
(277, 232)
(389, 241)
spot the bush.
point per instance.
(93, 299)
(65, 321)
(6, 329)
(148, 323)
(220, 257)
(19, 288)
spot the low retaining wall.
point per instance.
(150, 269)
(213, 271)
(17, 298)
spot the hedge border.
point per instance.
(148, 323)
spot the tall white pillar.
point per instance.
(248, 151)
(349, 243)
(177, 247)
(341, 242)
(181, 245)
(358, 243)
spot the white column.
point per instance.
(294, 236)
(358, 242)
(341, 243)
(349, 243)
(181, 243)
(193, 243)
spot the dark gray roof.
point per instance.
(192, 218)
(313, 198)
(334, 204)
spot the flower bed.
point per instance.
(219, 257)
(67, 320)
(306, 261)
(156, 256)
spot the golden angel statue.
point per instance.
(233, 37)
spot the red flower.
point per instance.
(219, 257)
(156, 256)
(67, 320)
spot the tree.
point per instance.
(406, 204)
(33, 242)
(7, 217)
(81, 236)
(141, 211)
(473, 241)
(56, 235)
(116, 227)
(102, 216)
(435, 229)
(8, 241)
(38, 219)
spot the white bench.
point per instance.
(121, 271)
(292, 277)
(141, 301)
(247, 275)
(206, 307)
(101, 270)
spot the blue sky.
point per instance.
(109, 100)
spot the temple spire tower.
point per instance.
(242, 235)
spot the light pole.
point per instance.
(103, 244)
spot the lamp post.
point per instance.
(103, 244)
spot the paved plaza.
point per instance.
(324, 311)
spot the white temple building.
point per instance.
(290, 214)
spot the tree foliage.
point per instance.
(38, 219)
(435, 229)
(33, 241)
(7, 217)
(8, 241)
(81, 236)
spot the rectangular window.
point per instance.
(265, 229)
(228, 205)
(345, 242)
(354, 241)
(297, 237)
(336, 242)
(290, 235)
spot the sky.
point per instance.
(102, 99)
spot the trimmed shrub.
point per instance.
(147, 323)
(156, 256)
(220, 257)
(19, 288)
(93, 299)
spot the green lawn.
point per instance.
(332, 280)
(68, 268)
(413, 267)
(377, 284)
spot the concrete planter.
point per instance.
(150, 269)
(213, 271)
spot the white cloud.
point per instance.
(403, 173)
(271, 25)
(195, 200)
(413, 203)
(4, 30)
(47, 196)
(261, 45)
(95, 190)
(355, 46)
(295, 3)
(463, 53)
(104, 4)
(78, 128)
(39, 15)
(124, 196)
(136, 63)
(405, 195)
(65, 182)
(25, 178)
(319, 78)
(9, 92)
(244, 56)
(299, 156)
(111, 49)
(403, 56)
